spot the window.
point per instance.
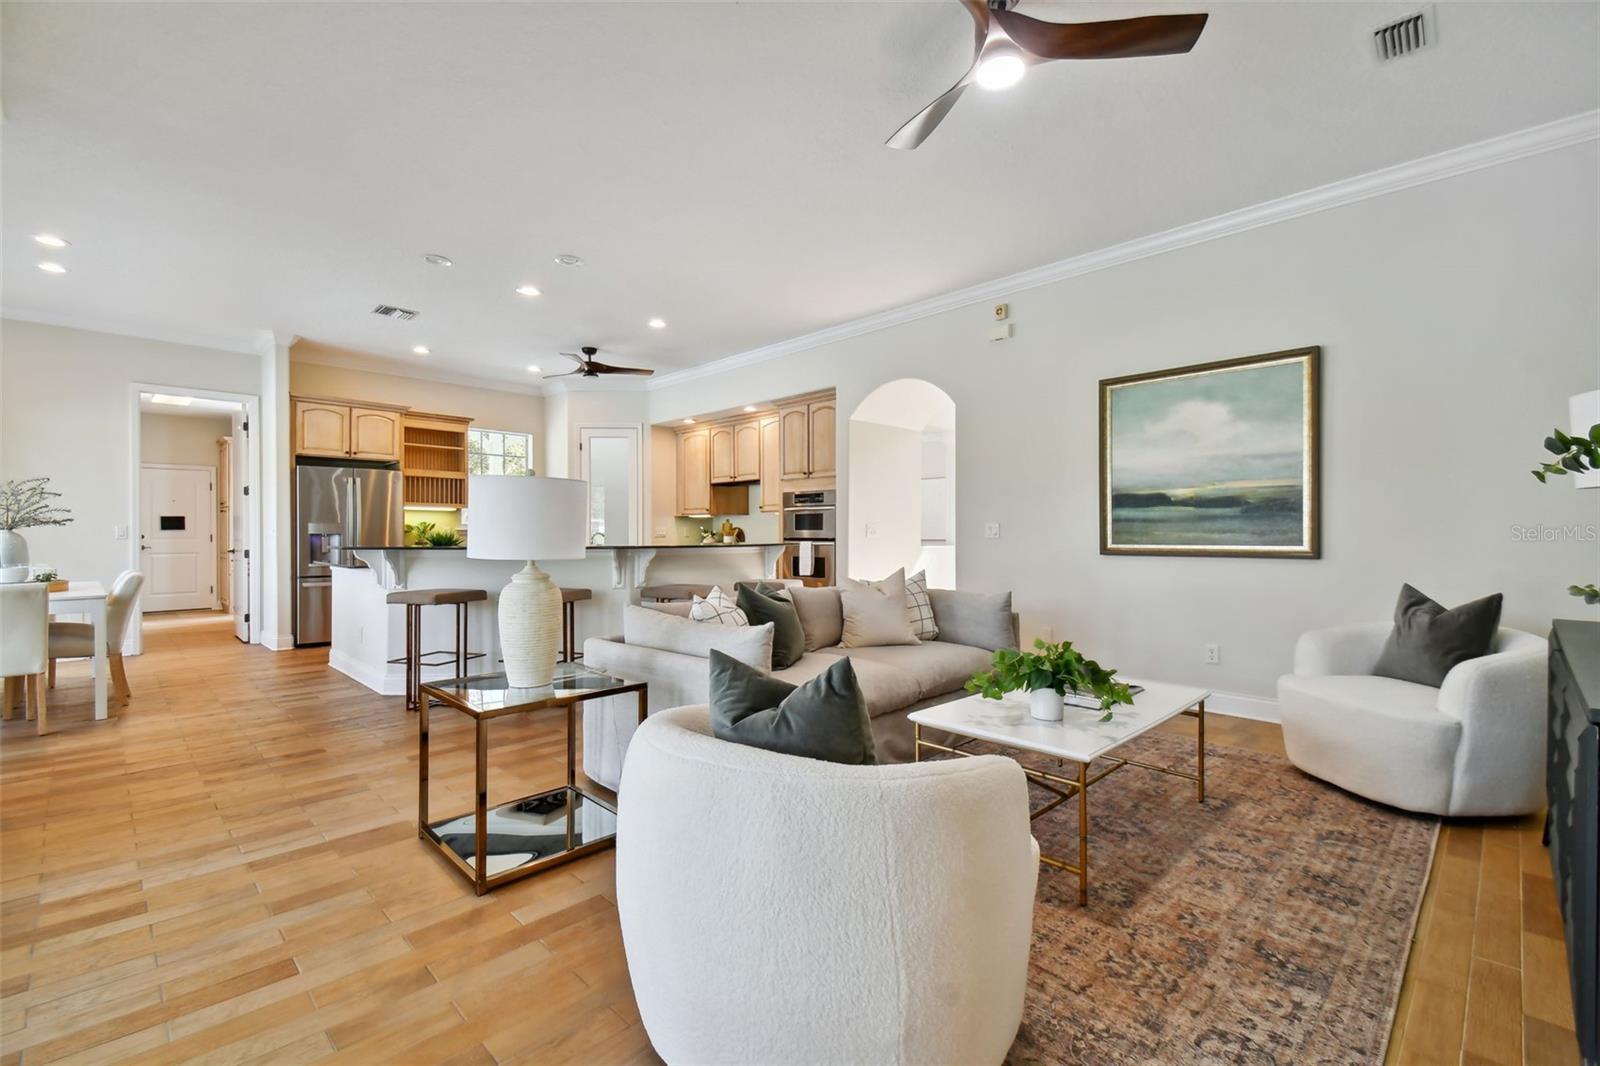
(495, 451)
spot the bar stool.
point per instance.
(569, 622)
(414, 600)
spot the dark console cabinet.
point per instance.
(1572, 781)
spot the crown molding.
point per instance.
(1535, 140)
(375, 364)
(241, 342)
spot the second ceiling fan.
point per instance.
(1006, 44)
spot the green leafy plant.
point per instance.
(1060, 667)
(26, 503)
(46, 576)
(1579, 455)
(418, 531)
(442, 538)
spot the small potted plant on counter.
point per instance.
(442, 538)
(1048, 673)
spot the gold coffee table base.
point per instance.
(1077, 786)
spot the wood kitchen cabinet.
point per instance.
(374, 433)
(321, 428)
(344, 430)
(807, 437)
(771, 454)
(747, 450)
(694, 472)
(722, 457)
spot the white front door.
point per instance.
(177, 520)
(239, 516)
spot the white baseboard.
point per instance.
(1235, 705)
(277, 641)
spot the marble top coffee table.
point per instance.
(1080, 739)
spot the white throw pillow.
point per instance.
(875, 612)
(751, 645)
(718, 607)
(919, 609)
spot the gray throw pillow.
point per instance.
(825, 718)
(977, 619)
(1428, 640)
(821, 614)
(788, 639)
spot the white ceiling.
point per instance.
(223, 169)
(197, 407)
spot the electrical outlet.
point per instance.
(872, 529)
(1213, 654)
(991, 530)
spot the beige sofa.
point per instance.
(895, 680)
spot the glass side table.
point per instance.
(491, 846)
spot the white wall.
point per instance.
(884, 523)
(1455, 319)
(65, 412)
(181, 440)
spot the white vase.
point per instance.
(13, 549)
(530, 628)
(1045, 704)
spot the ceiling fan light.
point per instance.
(1000, 70)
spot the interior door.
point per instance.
(239, 518)
(177, 526)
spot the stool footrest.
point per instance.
(449, 657)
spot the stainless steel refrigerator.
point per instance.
(339, 505)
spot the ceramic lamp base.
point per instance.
(530, 628)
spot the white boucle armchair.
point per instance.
(777, 909)
(1472, 747)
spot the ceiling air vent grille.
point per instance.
(1403, 36)
(400, 313)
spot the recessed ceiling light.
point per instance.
(50, 240)
(749, 408)
(688, 421)
(50, 267)
(528, 290)
(1000, 70)
(175, 401)
(657, 323)
(438, 260)
(533, 370)
(567, 259)
(421, 349)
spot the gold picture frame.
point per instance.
(1214, 459)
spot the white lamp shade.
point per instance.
(527, 517)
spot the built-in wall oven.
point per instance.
(809, 515)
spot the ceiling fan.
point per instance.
(1007, 44)
(587, 367)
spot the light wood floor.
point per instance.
(230, 873)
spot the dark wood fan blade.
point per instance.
(1153, 35)
(927, 120)
(604, 368)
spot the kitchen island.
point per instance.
(369, 633)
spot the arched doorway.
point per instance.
(902, 476)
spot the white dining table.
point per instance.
(88, 598)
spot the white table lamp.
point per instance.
(528, 518)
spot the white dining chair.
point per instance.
(75, 640)
(25, 647)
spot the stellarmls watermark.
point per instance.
(1543, 534)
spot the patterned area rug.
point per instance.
(1270, 926)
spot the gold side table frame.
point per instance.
(524, 701)
(1077, 786)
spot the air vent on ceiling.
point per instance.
(400, 313)
(1404, 36)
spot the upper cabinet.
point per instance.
(747, 450)
(694, 471)
(807, 432)
(722, 457)
(771, 454)
(344, 430)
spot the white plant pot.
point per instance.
(1045, 704)
(530, 628)
(13, 549)
(13, 575)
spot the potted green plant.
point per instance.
(417, 533)
(442, 538)
(1580, 455)
(24, 504)
(1049, 672)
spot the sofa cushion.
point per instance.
(886, 688)
(824, 718)
(1428, 640)
(976, 619)
(788, 639)
(939, 668)
(821, 614)
(919, 609)
(718, 607)
(751, 645)
(875, 612)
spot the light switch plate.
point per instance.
(991, 530)
(119, 532)
(1000, 332)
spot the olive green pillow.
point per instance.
(825, 718)
(788, 638)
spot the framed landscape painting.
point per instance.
(1212, 459)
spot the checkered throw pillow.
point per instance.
(918, 608)
(718, 607)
